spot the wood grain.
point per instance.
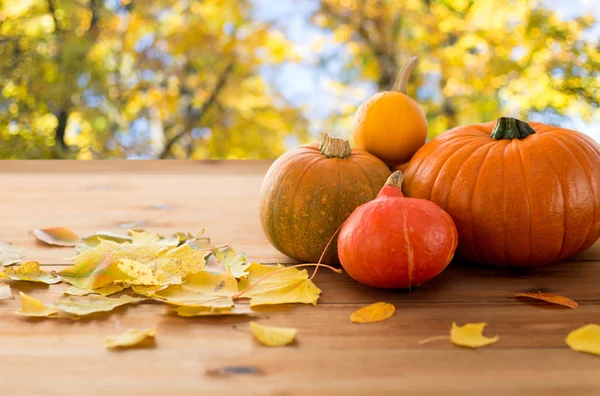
(218, 355)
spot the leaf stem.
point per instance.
(325, 251)
(337, 270)
(434, 338)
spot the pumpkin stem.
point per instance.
(335, 147)
(401, 83)
(511, 128)
(396, 179)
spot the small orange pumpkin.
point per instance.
(391, 125)
(521, 194)
(310, 191)
(395, 242)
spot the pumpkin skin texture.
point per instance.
(310, 191)
(391, 125)
(395, 242)
(525, 197)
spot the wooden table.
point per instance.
(219, 356)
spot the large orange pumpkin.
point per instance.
(521, 194)
(310, 191)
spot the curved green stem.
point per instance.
(511, 128)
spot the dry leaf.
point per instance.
(187, 312)
(34, 307)
(93, 304)
(141, 274)
(5, 292)
(470, 335)
(373, 313)
(103, 291)
(181, 261)
(57, 236)
(93, 270)
(201, 289)
(31, 272)
(227, 260)
(94, 240)
(585, 339)
(10, 254)
(551, 298)
(131, 337)
(286, 286)
(147, 291)
(273, 336)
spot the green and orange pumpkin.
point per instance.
(309, 192)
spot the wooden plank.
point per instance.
(332, 355)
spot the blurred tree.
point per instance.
(478, 59)
(148, 78)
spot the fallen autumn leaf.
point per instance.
(273, 336)
(57, 236)
(585, 339)
(373, 313)
(550, 297)
(129, 338)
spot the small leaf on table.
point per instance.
(550, 297)
(273, 336)
(373, 313)
(585, 339)
(129, 338)
(470, 335)
(57, 236)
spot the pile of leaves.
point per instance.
(183, 271)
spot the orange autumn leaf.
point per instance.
(551, 298)
(373, 313)
(57, 236)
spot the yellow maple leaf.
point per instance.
(585, 339)
(31, 272)
(33, 307)
(187, 312)
(57, 236)
(470, 335)
(273, 336)
(181, 261)
(104, 290)
(92, 304)
(10, 254)
(285, 285)
(373, 313)
(141, 274)
(5, 292)
(129, 338)
(201, 289)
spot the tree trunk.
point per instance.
(59, 132)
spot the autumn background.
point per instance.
(250, 78)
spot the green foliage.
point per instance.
(478, 59)
(77, 76)
(182, 78)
